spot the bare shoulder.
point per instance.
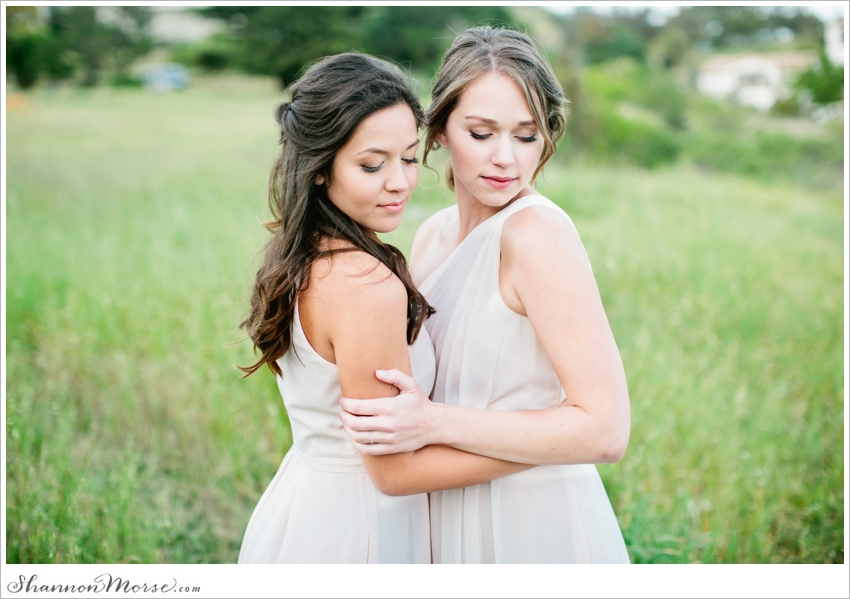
(432, 242)
(357, 279)
(431, 229)
(433, 222)
(540, 230)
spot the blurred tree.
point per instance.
(807, 28)
(605, 37)
(669, 49)
(582, 120)
(127, 35)
(723, 26)
(114, 37)
(25, 44)
(621, 40)
(280, 40)
(72, 38)
(825, 82)
(418, 35)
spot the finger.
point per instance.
(370, 436)
(398, 379)
(362, 407)
(376, 449)
(364, 423)
(363, 441)
(359, 437)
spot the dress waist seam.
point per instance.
(326, 464)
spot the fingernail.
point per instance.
(381, 372)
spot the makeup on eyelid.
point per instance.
(375, 195)
(494, 142)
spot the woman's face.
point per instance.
(376, 171)
(494, 142)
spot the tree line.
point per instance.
(81, 43)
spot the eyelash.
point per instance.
(527, 140)
(375, 169)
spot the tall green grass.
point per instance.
(132, 238)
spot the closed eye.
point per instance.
(413, 160)
(527, 140)
(371, 169)
(479, 135)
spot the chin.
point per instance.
(386, 226)
(497, 199)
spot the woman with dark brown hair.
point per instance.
(332, 303)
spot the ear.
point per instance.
(320, 179)
(441, 139)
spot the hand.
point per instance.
(390, 424)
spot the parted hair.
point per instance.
(326, 105)
(485, 49)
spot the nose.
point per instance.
(503, 152)
(396, 179)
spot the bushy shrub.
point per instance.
(766, 154)
(825, 83)
(657, 90)
(25, 55)
(634, 141)
(789, 106)
(215, 53)
(625, 80)
(125, 79)
(213, 59)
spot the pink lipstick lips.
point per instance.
(499, 182)
(397, 207)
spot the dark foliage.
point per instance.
(825, 82)
(74, 39)
(282, 40)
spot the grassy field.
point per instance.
(132, 239)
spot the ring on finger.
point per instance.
(371, 441)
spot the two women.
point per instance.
(527, 370)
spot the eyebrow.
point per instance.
(492, 122)
(383, 152)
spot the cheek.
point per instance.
(346, 194)
(465, 154)
(531, 156)
(413, 177)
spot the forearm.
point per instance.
(563, 435)
(435, 468)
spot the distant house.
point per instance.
(755, 79)
(834, 41)
(181, 25)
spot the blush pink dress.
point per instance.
(322, 507)
(489, 358)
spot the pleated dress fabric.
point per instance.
(488, 357)
(322, 507)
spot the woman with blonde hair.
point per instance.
(528, 371)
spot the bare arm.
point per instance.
(367, 329)
(546, 276)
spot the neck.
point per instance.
(472, 212)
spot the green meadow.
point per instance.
(133, 233)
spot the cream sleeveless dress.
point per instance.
(321, 506)
(488, 357)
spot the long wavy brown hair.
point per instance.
(326, 105)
